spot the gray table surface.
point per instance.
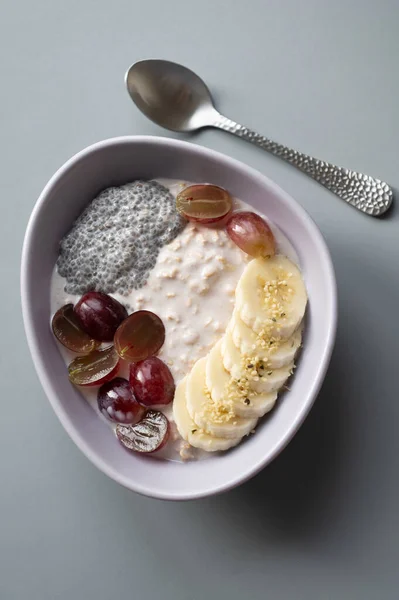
(322, 521)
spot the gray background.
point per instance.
(322, 520)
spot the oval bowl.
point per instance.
(117, 161)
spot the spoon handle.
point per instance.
(365, 193)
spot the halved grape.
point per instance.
(69, 333)
(251, 233)
(139, 336)
(95, 368)
(204, 203)
(152, 382)
(116, 401)
(148, 435)
(100, 315)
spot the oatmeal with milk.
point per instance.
(178, 313)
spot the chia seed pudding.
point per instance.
(131, 243)
(114, 243)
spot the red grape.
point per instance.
(95, 368)
(204, 203)
(116, 401)
(139, 336)
(148, 435)
(251, 233)
(69, 333)
(100, 315)
(152, 382)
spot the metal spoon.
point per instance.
(176, 98)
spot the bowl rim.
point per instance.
(301, 213)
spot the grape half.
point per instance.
(152, 382)
(100, 315)
(116, 401)
(148, 435)
(95, 368)
(69, 333)
(251, 233)
(204, 203)
(139, 336)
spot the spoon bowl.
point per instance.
(170, 95)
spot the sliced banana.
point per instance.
(275, 353)
(190, 432)
(216, 377)
(271, 381)
(260, 379)
(271, 296)
(221, 399)
(216, 418)
(255, 403)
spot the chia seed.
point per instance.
(113, 245)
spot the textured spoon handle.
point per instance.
(365, 193)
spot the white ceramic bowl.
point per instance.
(117, 161)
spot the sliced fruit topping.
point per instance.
(116, 402)
(271, 297)
(100, 315)
(148, 435)
(248, 370)
(251, 233)
(217, 379)
(217, 418)
(231, 355)
(152, 382)
(95, 368)
(274, 352)
(68, 331)
(190, 432)
(204, 203)
(248, 395)
(139, 336)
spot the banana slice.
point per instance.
(256, 377)
(217, 379)
(253, 403)
(190, 432)
(270, 381)
(256, 405)
(274, 353)
(271, 296)
(216, 418)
